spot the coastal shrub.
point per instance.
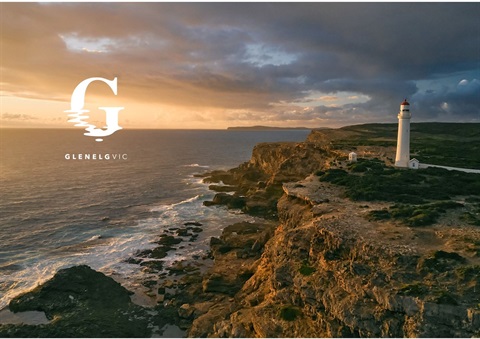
(372, 180)
(468, 272)
(470, 218)
(445, 297)
(358, 167)
(334, 175)
(414, 290)
(363, 165)
(414, 215)
(306, 270)
(376, 215)
(289, 313)
(443, 255)
(440, 261)
(421, 196)
(423, 219)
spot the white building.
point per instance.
(414, 164)
(352, 157)
(403, 141)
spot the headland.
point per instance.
(338, 249)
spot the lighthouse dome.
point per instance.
(405, 102)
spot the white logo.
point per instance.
(76, 108)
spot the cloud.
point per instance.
(252, 61)
(462, 102)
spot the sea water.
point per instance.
(59, 209)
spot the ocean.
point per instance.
(57, 211)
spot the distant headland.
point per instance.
(267, 128)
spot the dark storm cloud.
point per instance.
(252, 56)
(463, 98)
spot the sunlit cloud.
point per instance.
(328, 98)
(202, 65)
(76, 43)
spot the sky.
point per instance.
(215, 65)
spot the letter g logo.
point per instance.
(76, 108)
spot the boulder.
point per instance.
(192, 223)
(169, 240)
(231, 201)
(186, 311)
(85, 303)
(222, 188)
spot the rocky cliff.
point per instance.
(316, 264)
(329, 271)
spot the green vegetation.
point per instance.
(466, 273)
(289, 313)
(439, 296)
(448, 144)
(414, 290)
(415, 215)
(474, 247)
(440, 261)
(445, 297)
(306, 270)
(420, 196)
(371, 180)
(471, 218)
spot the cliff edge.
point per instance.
(331, 269)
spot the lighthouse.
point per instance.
(403, 141)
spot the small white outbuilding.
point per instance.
(413, 163)
(352, 157)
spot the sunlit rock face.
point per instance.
(330, 271)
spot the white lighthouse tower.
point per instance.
(403, 142)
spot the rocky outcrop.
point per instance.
(236, 256)
(81, 303)
(256, 186)
(328, 271)
(319, 269)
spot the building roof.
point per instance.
(405, 102)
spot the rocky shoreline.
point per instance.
(311, 265)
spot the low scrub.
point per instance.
(306, 269)
(289, 313)
(371, 180)
(414, 215)
(420, 196)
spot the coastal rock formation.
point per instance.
(80, 302)
(258, 183)
(255, 186)
(329, 272)
(319, 266)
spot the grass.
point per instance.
(448, 144)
